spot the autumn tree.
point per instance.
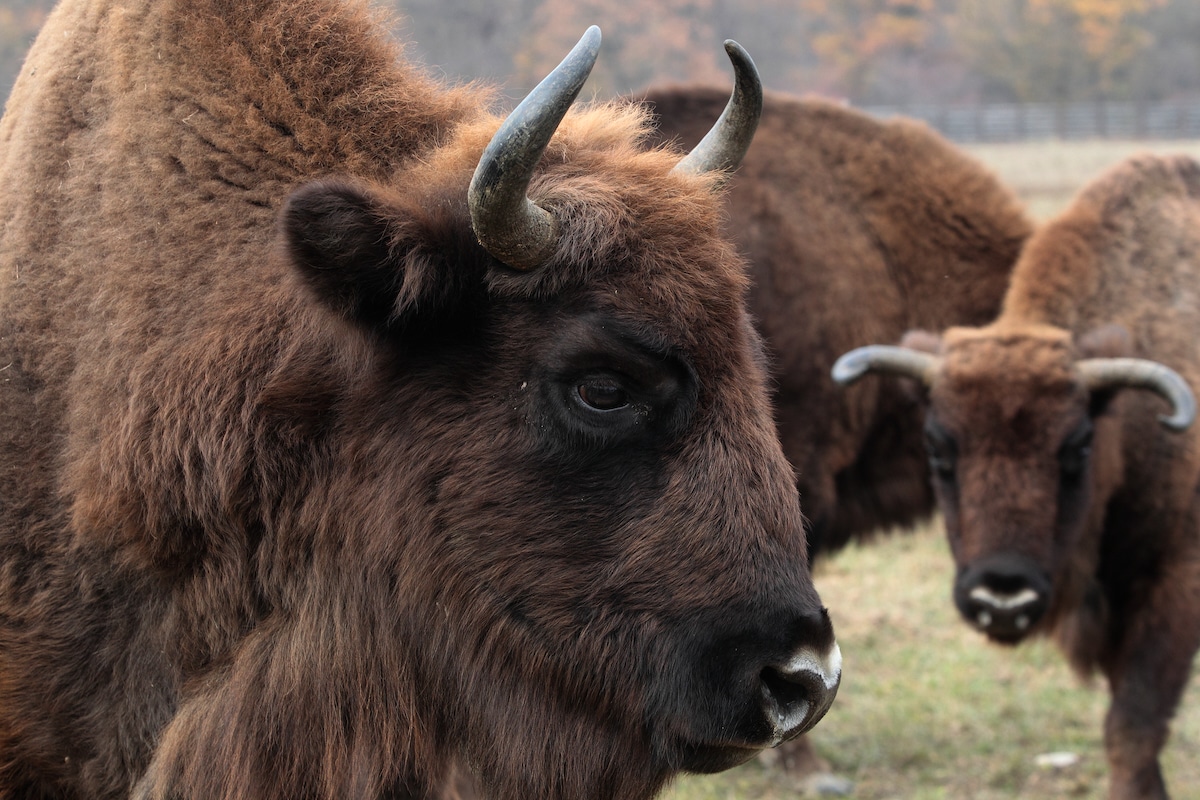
(643, 42)
(856, 39)
(1053, 50)
(1170, 67)
(892, 52)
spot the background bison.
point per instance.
(305, 493)
(1070, 509)
(856, 230)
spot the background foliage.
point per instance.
(867, 51)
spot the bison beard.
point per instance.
(1070, 508)
(314, 485)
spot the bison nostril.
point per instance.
(1004, 596)
(1004, 599)
(798, 694)
(789, 693)
(1004, 614)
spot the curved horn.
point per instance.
(885, 358)
(1140, 373)
(508, 224)
(723, 147)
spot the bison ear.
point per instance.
(349, 250)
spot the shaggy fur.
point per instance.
(297, 494)
(1115, 524)
(856, 231)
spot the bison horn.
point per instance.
(507, 223)
(1115, 373)
(885, 358)
(723, 147)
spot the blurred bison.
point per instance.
(1069, 508)
(325, 465)
(856, 230)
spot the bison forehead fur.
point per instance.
(304, 494)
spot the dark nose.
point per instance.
(797, 692)
(756, 676)
(762, 675)
(1004, 596)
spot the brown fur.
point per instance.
(1114, 275)
(856, 230)
(287, 506)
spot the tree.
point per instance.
(668, 40)
(1053, 50)
(855, 39)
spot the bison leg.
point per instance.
(1135, 732)
(1148, 678)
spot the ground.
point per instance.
(928, 710)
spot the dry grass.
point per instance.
(929, 710)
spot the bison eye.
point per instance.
(1075, 451)
(599, 388)
(602, 395)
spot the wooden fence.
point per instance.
(1013, 122)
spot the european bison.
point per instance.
(856, 231)
(325, 465)
(1069, 508)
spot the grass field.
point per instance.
(928, 710)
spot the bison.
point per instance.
(351, 432)
(856, 231)
(1069, 508)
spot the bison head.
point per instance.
(1024, 449)
(546, 409)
